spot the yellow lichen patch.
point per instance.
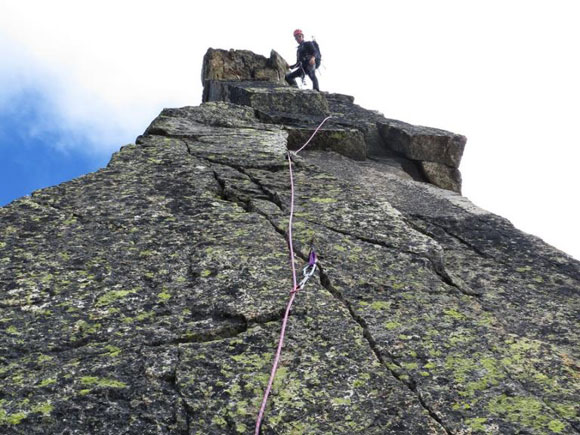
(113, 296)
(526, 411)
(102, 382)
(323, 200)
(24, 410)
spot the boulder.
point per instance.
(347, 142)
(244, 78)
(348, 114)
(242, 65)
(423, 143)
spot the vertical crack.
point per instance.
(222, 185)
(326, 283)
(437, 265)
(183, 412)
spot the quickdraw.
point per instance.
(307, 272)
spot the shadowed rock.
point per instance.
(268, 97)
(348, 142)
(442, 175)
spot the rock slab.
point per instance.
(146, 298)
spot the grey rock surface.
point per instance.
(423, 143)
(146, 298)
(432, 155)
(232, 64)
(268, 97)
(442, 175)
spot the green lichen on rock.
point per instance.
(113, 296)
(148, 295)
(11, 419)
(93, 381)
(526, 411)
(24, 410)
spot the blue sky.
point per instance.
(78, 80)
(32, 151)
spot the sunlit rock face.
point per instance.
(147, 297)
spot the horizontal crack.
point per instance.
(325, 281)
(232, 326)
(496, 259)
(454, 236)
(272, 196)
(223, 333)
(437, 265)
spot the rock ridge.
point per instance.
(146, 297)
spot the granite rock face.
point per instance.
(146, 298)
(270, 98)
(442, 175)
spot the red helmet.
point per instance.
(298, 32)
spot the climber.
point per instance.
(307, 60)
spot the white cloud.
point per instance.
(61, 104)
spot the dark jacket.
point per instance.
(305, 51)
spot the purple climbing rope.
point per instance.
(307, 272)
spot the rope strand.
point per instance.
(315, 131)
(293, 293)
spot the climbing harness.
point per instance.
(307, 272)
(303, 76)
